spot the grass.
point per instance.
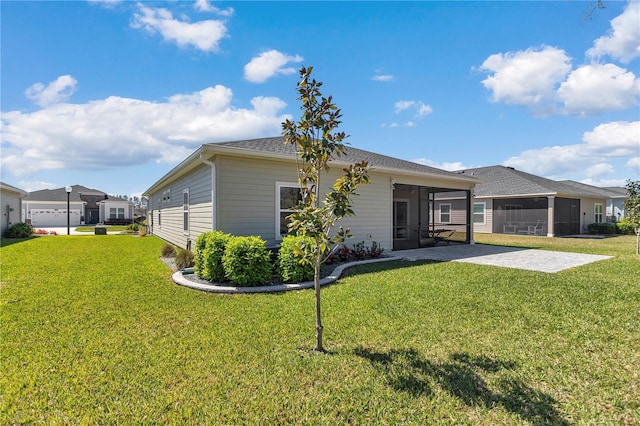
(94, 331)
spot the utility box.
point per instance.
(100, 230)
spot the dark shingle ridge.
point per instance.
(507, 181)
(60, 194)
(276, 145)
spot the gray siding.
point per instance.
(11, 209)
(167, 215)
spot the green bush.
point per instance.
(184, 259)
(168, 250)
(210, 248)
(625, 227)
(292, 250)
(246, 261)
(133, 227)
(602, 228)
(19, 230)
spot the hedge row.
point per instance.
(246, 261)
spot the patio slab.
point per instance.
(507, 257)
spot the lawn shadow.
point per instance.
(4, 242)
(461, 376)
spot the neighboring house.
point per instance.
(510, 201)
(11, 205)
(615, 204)
(48, 207)
(249, 187)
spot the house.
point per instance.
(249, 187)
(11, 205)
(615, 205)
(509, 201)
(48, 207)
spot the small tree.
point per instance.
(632, 208)
(316, 145)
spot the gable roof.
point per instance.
(60, 194)
(11, 188)
(275, 148)
(502, 181)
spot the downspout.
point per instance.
(213, 190)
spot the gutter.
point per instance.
(213, 189)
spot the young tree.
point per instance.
(317, 143)
(632, 208)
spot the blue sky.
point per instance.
(113, 94)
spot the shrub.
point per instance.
(292, 251)
(246, 261)
(602, 228)
(133, 227)
(375, 250)
(210, 248)
(359, 251)
(168, 250)
(19, 230)
(184, 259)
(625, 227)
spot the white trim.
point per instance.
(440, 212)
(279, 185)
(484, 213)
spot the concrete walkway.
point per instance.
(508, 257)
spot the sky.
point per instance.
(113, 94)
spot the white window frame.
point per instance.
(598, 211)
(186, 216)
(441, 213)
(280, 185)
(484, 213)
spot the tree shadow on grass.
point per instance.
(462, 376)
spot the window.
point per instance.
(116, 213)
(159, 214)
(166, 196)
(287, 198)
(597, 212)
(479, 213)
(185, 210)
(445, 213)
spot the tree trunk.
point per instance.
(638, 241)
(316, 277)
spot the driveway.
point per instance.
(507, 257)
(63, 231)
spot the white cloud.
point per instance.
(611, 141)
(598, 88)
(420, 107)
(385, 77)
(35, 185)
(55, 92)
(618, 138)
(116, 132)
(634, 164)
(203, 35)
(206, 6)
(450, 166)
(527, 77)
(600, 169)
(106, 3)
(268, 64)
(623, 39)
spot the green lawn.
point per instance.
(94, 332)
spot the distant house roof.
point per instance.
(501, 181)
(276, 148)
(60, 194)
(12, 188)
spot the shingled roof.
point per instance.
(276, 145)
(60, 194)
(506, 181)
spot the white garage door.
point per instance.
(50, 218)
